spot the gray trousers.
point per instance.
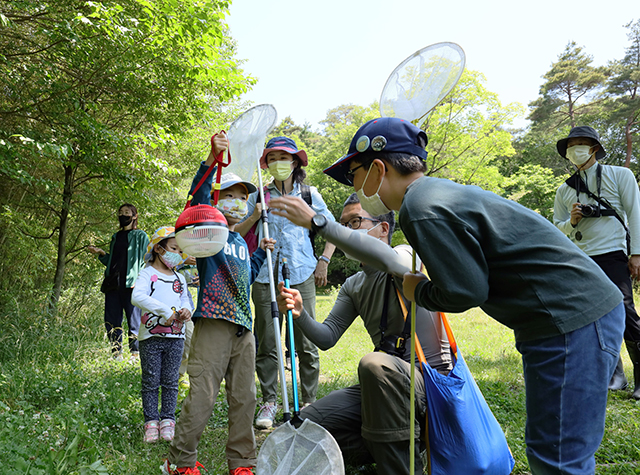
(370, 421)
(267, 358)
(217, 354)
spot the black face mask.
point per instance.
(124, 220)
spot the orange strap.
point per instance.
(447, 329)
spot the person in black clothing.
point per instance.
(124, 261)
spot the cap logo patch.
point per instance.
(362, 144)
(378, 143)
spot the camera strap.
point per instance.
(576, 182)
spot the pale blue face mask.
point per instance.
(171, 259)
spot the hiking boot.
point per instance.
(167, 429)
(266, 415)
(618, 380)
(171, 469)
(151, 432)
(241, 471)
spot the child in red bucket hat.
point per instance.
(222, 346)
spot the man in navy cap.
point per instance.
(481, 250)
(592, 208)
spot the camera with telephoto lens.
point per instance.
(589, 211)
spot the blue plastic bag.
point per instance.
(464, 436)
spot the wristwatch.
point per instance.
(318, 222)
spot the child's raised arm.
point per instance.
(219, 143)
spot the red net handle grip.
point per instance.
(219, 160)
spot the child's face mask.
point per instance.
(233, 207)
(171, 259)
(281, 169)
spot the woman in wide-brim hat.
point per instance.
(286, 162)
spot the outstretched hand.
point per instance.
(95, 250)
(289, 299)
(294, 209)
(219, 143)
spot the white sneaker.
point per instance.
(266, 416)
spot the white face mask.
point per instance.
(372, 204)
(280, 169)
(579, 154)
(363, 231)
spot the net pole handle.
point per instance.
(294, 375)
(274, 306)
(412, 403)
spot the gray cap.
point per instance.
(229, 179)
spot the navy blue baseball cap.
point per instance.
(286, 145)
(581, 131)
(386, 134)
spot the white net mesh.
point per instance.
(246, 139)
(421, 81)
(202, 240)
(307, 450)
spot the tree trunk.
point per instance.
(572, 119)
(62, 236)
(629, 139)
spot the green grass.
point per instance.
(67, 408)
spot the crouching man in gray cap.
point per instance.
(369, 420)
(592, 208)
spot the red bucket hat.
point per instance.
(286, 145)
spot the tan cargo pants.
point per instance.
(217, 353)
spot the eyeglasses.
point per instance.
(349, 175)
(354, 223)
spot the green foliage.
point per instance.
(468, 132)
(577, 93)
(624, 85)
(535, 187)
(568, 84)
(68, 408)
(96, 95)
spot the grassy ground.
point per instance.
(67, 408)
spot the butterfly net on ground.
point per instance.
(310, 449)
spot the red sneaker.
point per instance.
(241, 471)
(171, 469)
